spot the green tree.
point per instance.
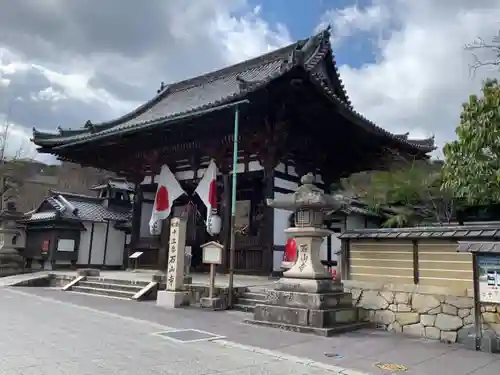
(406, 196)
(472, 162)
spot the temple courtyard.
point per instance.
(46, 331)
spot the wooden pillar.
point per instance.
(416, 272)
(136, 219)
(268, 255)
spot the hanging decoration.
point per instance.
(169, 189)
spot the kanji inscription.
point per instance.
(176, 249)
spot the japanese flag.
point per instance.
(207, 189)
(168, 191)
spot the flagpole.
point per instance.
(232, 250)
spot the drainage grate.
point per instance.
(189, 335)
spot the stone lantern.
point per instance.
(11, 262)
(306, 298)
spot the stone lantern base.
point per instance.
(11, 262)
(307, 299)
(309, 306)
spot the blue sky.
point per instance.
(303, 16)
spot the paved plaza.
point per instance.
(46, 331)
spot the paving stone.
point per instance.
(120, 325)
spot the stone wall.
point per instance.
(432, 312)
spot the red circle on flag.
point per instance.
(162, 202)
(212, 194)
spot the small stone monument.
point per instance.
(175, 294)
(306, 298)
(11, 262)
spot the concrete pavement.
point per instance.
(105, 329)
(41, 335)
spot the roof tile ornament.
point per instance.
(162, 87)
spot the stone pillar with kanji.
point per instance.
(307, 298)
(175, 294)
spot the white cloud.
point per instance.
(48, 94)
(353, 20)
(9, 65)
(17, 142)
(204, 33)
(248, 36)
(421, 75)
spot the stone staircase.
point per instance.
(250, 299)
(125, 289)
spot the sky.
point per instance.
(403, 62)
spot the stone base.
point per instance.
(213, 303)
(309, 285)
(327, 332)
(315, 306)
(161, 279)
(306, 316)
(169, 299)
(11, 262)
(89, 272)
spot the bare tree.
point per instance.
(12, 165)
(485, 54)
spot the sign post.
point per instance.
(175, 295)
(486, 288)
(212, 255)
(135, 258)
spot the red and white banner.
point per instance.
(168, 191)
(207, 190)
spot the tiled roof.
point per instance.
(42, 216)
(479, 247)
(79, 207)
(120, 184)
(193, 96)
(451, 232)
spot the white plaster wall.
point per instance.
(21, 238)
(148, 195)
(97, 256)
(189, 174)
(116, 243)
(83, 252)
(146, 211)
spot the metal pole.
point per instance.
(212, 281)
(233, 206)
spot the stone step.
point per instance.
(254, 296)
(100, 285)
(328, 331)
(103, 292)
(244, 308)
(141, 284)
(248, 301)
(257, 289)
